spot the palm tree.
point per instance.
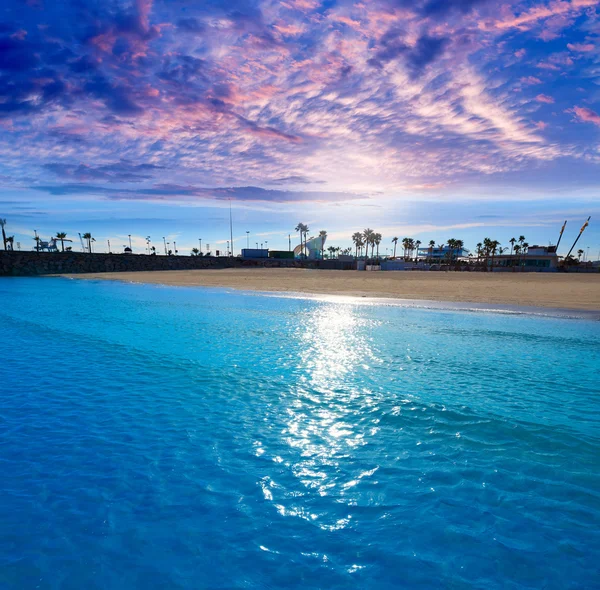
(479, 250)
(302, 228)
(62, 236)
(405, 246)
(357, 238)
(331, 250)
(395, 242)
(417, 244)
(377, 240)
(195, 251)
(322, 235)
(579, 254)
(368, 236)
(2, 224)
(88, 236)
(431, 247)
(512, 247)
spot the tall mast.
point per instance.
(577, 239)
(231, 227)
(560, 236)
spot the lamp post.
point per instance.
(129, 236)
(109, 247)
(200, 244)
(248, 239)
(174, 246)
(227, 247)
(290, 242)
(165, 243)
(37, 243)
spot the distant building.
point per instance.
(255, 253)
(536, 258)
(440, 254)
(281, 254)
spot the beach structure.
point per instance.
(312, 249)
(281, 254)
(249, 253)
(536, 258)
(443, 253)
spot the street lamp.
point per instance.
(175, 246)
(248, 239)
(129, 235)
(165, 243)
(200, 244)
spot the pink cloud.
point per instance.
(541, 125)
(587, 115)
(531, 80)
(520, 53)
(582, 47)
(544, 98)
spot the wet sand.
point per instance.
(550, 290)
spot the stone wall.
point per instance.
(43, 263)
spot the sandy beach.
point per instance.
(566, 291)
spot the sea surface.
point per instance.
(162, 437)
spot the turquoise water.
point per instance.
(155, 437)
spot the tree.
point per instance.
(395, 242)
(458, 246)
(405, 246)
(357, 238)
(479, 250)
(331, 250)
(417, 244)
(512, 248)
(195, 251)
(88, 236)
(377, 241)
(2, 224)
(579, 254)
(431, 247)
(62, 236)
(322, 235)
(302, 229)
(368, 236)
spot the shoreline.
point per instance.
(561, 293)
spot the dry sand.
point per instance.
(560, 290)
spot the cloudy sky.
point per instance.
(429, 119)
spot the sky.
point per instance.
(430, 119)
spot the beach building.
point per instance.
(255, 252)
(281, 254)
(313, 248)
(441, 254)
(537, 258)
